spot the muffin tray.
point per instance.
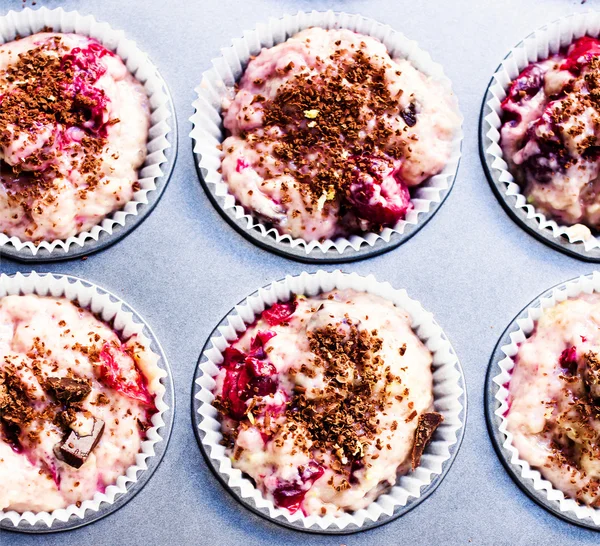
(184, 268)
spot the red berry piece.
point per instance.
(580, 53)
(279, 312)
(130, 382)
(291, 494)
(378, 193)
(568, 360)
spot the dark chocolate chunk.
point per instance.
(410, 115)
(68, 390)
(426, 426)
(76, 449)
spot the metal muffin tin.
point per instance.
(152, 462)
(249, 503)
(493, 421)
(508, 202)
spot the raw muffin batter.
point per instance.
(73, 130)
(75, 403)
(326, 400)
(327, 133)
(554, 398)
(549, 135)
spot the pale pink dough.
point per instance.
(276, 461)
(63, 210)
(53, 335)
(550, 132)
(551, 381)
(266, 186)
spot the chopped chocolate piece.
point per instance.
(76, 449)
(68, 390)
(428, 423)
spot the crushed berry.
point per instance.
(279, 312)
(258, 343)
(241, 165)
(526, 85)
(357, 464)
(568, 359)
(235, 388)
(291, 494)
(585, 47)
(378, 193)
(248, 375)
(135, 387)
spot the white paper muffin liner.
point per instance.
(538, 46)
(109, 309)
(29, 21)
(572, 289)
(449, 398)
(207, 132)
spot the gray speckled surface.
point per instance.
(184, 268)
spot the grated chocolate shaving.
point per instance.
(332, 121)
(345, 417)
(46, 90)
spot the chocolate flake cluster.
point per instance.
(20, 408)
(580, 94)
(328, 124)
(343, 420)
(344, 417)
(574, 431)
(49, 87)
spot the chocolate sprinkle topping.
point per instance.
(15, 407)
(345, 417)
(330, 121)
(43, 92)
